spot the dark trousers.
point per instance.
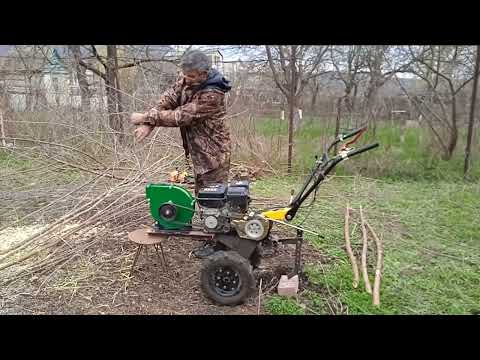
(217, 176)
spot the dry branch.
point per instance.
(378, 270)
(259, 296)
(368, 286)
(348, 246)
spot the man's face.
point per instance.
(194, 77)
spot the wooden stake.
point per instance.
(2, 129)
(378, 270)
(368, 286)
(259, 296)
(348, 246)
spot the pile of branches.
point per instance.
(375, 292)
(76, 194)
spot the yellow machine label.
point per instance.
(278, 214)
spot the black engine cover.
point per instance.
(212, 196)
(238, 196)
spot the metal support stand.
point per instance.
(298, 252)
(164, 262)
(143, 239)
(137, 254)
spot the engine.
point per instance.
(219, 204)
(222, 209)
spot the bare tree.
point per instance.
(348, 61)
(382, 63)
(445, 70)
(32, 59)
(292, 67)
(472, 113)
(314, 86)
(80, 72)
(111, 77)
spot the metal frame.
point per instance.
(139, 250)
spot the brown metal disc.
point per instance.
(142, 236)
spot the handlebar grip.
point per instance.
(362, 149)
(353, 133)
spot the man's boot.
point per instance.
(203, 251)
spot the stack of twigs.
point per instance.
(379, 251)
(106, 195)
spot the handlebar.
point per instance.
(362, 149)
(320, 172)
(342, 137)
(353, 133)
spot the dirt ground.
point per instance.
(98, 282)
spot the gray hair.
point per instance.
(195, 60)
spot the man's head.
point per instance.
(195, 67)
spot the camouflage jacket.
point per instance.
(200, 115)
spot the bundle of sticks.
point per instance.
(379, 251)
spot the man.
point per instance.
(195, 104)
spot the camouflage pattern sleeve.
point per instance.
(204, 105)
(169, 99)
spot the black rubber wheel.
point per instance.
(227, 278)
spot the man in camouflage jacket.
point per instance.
(195, 104)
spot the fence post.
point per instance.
(2, 129)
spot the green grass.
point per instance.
(413, 158)
(431, 241)
(281, 306)
(8, 161)
(11, 163)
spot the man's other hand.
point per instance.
(142, 132)
(138, 118)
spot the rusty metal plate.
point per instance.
(188, 233)
(148, 236)
(143, 236)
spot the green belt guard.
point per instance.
(171, 206)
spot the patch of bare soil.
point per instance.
(98, 282)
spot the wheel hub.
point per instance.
(168, 212)
(254, 229)
(227, 281)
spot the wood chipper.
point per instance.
(238, 233)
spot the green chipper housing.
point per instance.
(171, 206)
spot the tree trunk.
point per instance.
(2, 129)
(354, 101)
(348, 104)
(81, 75)
(338, 119)
(313, 103)
(114, 119)
(28, 95)
(472, 114)
(291, 108)
(296, 117)
(369, 105)
(118, 98)
(452, 142)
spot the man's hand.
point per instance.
(138, 118)
(142, 132)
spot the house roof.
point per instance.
(4, 49)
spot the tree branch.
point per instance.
(99, 58)
(274, 71)
(141, 61)
(92, 69)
